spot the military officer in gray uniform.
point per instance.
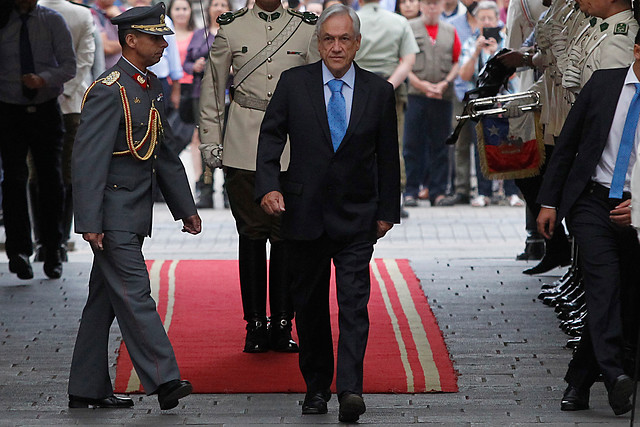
(119, 157)
(258, 44)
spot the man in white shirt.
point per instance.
(587, 181)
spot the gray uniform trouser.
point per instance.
(119, 287)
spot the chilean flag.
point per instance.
(510, 147)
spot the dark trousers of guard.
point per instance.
(37, 129)
(310, 264)
(557, 249)
(255, 227)
(609, 256)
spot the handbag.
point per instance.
(185, 108)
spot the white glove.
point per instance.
(571, 79)
(212, 155)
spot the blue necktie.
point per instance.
(626, 145)
(336, 113)
(27, 65)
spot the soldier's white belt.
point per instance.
(250, 102)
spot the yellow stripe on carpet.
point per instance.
(425, 356)
(396, 328)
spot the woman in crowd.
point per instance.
(476, 51)
(408, 8)
(181, 14)
(194, 64)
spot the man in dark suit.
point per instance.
(340, 193)
(587, 181)
(119, 157)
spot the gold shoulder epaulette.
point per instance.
(308, 17)
(229, 17)
(111, 78)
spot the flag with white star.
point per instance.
(510, 148)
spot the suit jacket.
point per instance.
(115, 192)
(342, 193)
(582, 141)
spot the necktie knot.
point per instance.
(335, 85)
(24, 17)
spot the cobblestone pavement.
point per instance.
(505, 344)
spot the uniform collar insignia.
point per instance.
(141, 80)
(269, 17)
(593, 21)
(136, 100)
(604, 26)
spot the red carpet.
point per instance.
(199, 302)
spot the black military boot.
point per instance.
(280, 336)
(252, 261)
(257, 340)
(280, 301)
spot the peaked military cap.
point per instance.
(146, 19)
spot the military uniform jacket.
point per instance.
(236, 43)
(610, 45)
(114, 192)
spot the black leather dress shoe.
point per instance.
(20, 265)
(619, 395)
(316, 402)
(574, 399)
(53, 264)
(548, 262)
(169, 393)
(351, 407)
(280, 337)
(257, 339)
(111, 402)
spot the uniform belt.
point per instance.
(250, 102)
(602, 192)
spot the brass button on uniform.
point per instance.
(269, 59)
(269, 94)
(269, 43)
(269, 28)
(269, 76)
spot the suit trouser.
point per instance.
(37, 129)
(609, 256)
(310, 264)
(119, 287)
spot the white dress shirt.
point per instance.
(603, 173)
(349, 79)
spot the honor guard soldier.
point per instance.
(119, 157)
(258, 44)
(610, 44)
